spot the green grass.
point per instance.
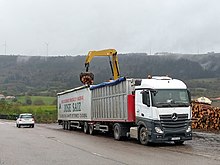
(35, 108)
(46, 99)
(46, 113)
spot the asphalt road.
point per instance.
(50, 144)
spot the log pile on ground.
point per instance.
(205, 117)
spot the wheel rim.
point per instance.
(85, 127)
(68, 126)
(64, 125)
(143, 135)
(116, 132)
(91, 129)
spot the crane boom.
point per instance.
(87, 77)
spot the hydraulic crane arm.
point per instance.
(84, 77)
(107, 52)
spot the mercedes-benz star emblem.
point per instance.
(174, 116)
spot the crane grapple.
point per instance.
(87, 78)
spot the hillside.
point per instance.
(48, 75)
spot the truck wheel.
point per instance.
(143, 136)
(91, 129)
(86, 128)
(117, 131)
(64, 125)
(178, 142)
(69, 126)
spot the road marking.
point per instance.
(84, 150)
(59, 141)
(97, 154)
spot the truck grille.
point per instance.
(171, 125)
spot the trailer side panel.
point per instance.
(110, 102)
(75, 105)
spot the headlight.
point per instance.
(158, 130)
(189, 129)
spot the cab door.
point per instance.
(143, 104)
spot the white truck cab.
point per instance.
(162, 109)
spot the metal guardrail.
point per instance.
(8, 117)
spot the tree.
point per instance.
(38, 102)
(28, 100)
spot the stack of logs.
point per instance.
(205, 116)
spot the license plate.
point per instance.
(175, 138)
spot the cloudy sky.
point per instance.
(73, 27)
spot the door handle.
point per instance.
(142, 114)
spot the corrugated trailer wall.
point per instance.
(110, 102)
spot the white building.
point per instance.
(2, 96)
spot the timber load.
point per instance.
(205, 117)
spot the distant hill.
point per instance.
(48, 75)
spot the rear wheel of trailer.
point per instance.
(86, 128)
(117, 131)
(91, 129)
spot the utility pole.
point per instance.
(47, 45)
(5, 48)
(150, 48)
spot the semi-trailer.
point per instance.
(152, 110)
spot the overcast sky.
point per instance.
(73, 27)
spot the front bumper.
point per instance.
(178, 130)
(170, 137)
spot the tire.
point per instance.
(64, 125)
(178, 142)
(69, 126)
(143, 136)
(19, 126)
(91, 129)
(86, 128)
(33, 126)
(117, 131)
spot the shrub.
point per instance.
(38, 102)
(28, 100)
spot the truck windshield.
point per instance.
(170, 98)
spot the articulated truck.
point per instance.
(152, 110)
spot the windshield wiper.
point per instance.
(163, 105)
(171, 104)
(182, 104)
